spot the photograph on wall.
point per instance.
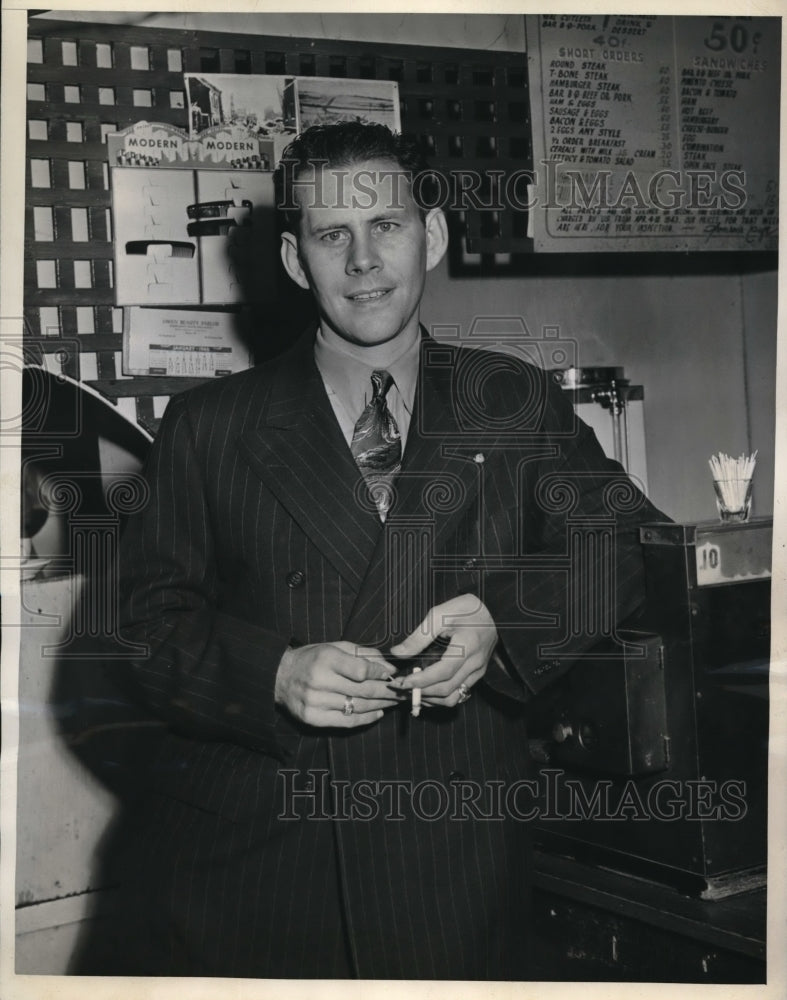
(322, 100)
(262, 104)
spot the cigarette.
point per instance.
(415, 710)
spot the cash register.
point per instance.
(656, 758)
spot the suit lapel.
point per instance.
(298, 450)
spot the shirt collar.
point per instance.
(347, 369)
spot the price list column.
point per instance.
(610, 125)
(728, 82)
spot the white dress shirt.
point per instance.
(346, 371)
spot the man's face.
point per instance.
(363, 249)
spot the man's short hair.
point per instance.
(345, 144)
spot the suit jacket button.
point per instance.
(295, 578)
(455, 776)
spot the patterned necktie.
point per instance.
(377, 445)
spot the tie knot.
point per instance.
(381, 383)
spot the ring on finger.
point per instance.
(349, 707)
(464, 694)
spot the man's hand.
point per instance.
(472, 635)
(318, 684)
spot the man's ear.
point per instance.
(291, 259)
(436, 237)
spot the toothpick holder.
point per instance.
(733, 499)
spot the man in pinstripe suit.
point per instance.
(295, 816)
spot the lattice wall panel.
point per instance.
(469, 108)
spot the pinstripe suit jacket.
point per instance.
(258, 535)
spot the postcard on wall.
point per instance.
(323, 100)
(262, 105)
(177, 342)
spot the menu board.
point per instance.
(654, 133)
